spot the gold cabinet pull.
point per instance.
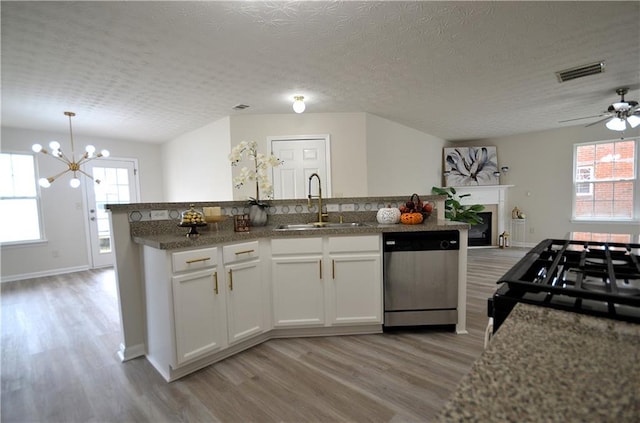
(245, 252)
(230, 280)
(215, 280)
(333, 269)
(197, 260)
(320, 268)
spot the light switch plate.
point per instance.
(159, 214)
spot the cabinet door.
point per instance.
(244, 300)
(356, 288)
(298, 293)
(198, 303)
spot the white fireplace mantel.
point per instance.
(485, 195)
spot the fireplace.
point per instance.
(494, 200)
(481, 235)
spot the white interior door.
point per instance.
(302, 156)
(118, 184)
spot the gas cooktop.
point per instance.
(589, 277)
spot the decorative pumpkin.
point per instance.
(412, 218)
(388, 215)
(415, 211)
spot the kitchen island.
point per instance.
(551, 365)
(251, 283)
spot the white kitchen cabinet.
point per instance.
(198, 309)
(185, 314)
(245, 291)
(326, 281)
(297, 288)
(356, 280)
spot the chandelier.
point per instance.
(70, 161)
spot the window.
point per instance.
(605, 180)
(584, 173)
(19, 202)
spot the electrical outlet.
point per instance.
(55, 253)
(333, 207)
(531, 230)
(347, 207)
(159, 214)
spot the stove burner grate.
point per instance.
(607, 272)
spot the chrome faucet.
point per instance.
(321, 215)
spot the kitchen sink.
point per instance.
(318, 225)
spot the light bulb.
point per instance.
(74, 182)
(633, 120)
(298, 104)
(90, 149)
(54, 145)
(36, 148)
(44, 182)
(105, 153)
(616, 124)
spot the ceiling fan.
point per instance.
(618, 115)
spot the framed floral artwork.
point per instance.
(464, 166)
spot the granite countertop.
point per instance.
(209, 235)
(546, 365)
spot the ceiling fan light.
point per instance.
(616, 124)
(633, 121)
(621, 105)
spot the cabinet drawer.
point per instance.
(239, 252)
(296, 246)
(194, 259)
(352, 244)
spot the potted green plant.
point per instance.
(453, 210)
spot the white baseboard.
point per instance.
(44, 273)
(129, 353)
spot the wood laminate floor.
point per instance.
(60, 336)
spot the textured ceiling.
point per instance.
(150, 71)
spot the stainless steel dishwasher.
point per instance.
(421, 278)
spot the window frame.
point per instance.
(37, 198)
(635, 180)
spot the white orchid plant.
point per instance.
(261, 163)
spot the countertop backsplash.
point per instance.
(163, 218)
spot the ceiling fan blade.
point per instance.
(586, 117)
(597, 122)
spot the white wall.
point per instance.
(541, 168)
(369, 155)
(348, 144)
(401, 160)
(196, 166)
(63, 207)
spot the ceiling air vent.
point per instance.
(240, 107)
(580, 71)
